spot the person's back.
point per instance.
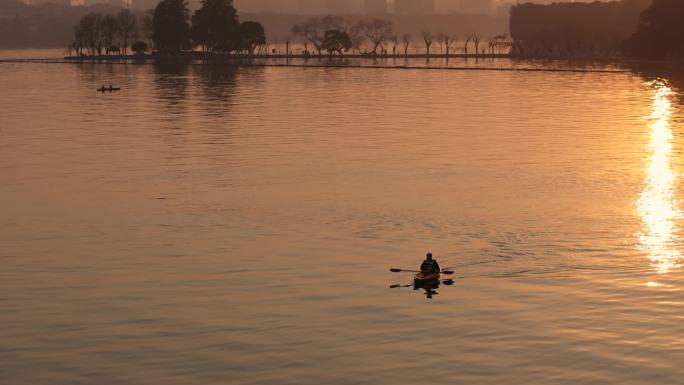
(429, 265)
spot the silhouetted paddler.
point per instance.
(429, 265)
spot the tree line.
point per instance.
(660, 34)
(336, 36)
(170, 29)
(96, 33)
(574, 29)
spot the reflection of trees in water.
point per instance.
(676, 82)
(217, 82)
(96, 73)
(171, 85)
(671, 74)
(93, 75)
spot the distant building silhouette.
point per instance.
(374, 7)
(414, 7)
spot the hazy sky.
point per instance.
(336, 6)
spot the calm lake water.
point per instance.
(219, 225)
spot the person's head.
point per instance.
(429, 256)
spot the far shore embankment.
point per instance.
(245, 57)
(480, 62)
(410, 62)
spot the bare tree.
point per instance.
(476, 38)
(288, 44)
(394, 40)
(128, 28)
(313, 29)
(378, 31)
(499, 42)
(427, 38)
(357, 39)
(80, 40)
(90, 32)
(447, 40)
(146, 26)
(110, 29)
(406, 41)
(465, 46)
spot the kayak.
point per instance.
(426, 277)
(426, 281)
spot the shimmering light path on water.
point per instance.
(659, 204)
(214, 225)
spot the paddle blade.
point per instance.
(395, 270)
(447, 272)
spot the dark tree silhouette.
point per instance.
(110, 30)
(394, 40)
(447, 40)
(336, 41)
(313, 30)
(571, 29)
(89, 32)
(660, 35)
(128, 28)
(427, 38)
(139, 47)
(170, 27)
(215, 26)
(500, 43)
(406, 41)
(251, 35)
(377, 31)
(79, 42)
(476, 38)
(147, 26)
(112, 49)
(465, 46)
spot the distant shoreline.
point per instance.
(232, 57)
(315, 63)
(222, 58)
(325, 61)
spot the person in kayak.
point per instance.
(429, 265)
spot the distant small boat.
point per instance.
(110, 89)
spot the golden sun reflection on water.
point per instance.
(657, 205)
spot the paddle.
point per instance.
(447, 282)
(446, 272)
(399, 285)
